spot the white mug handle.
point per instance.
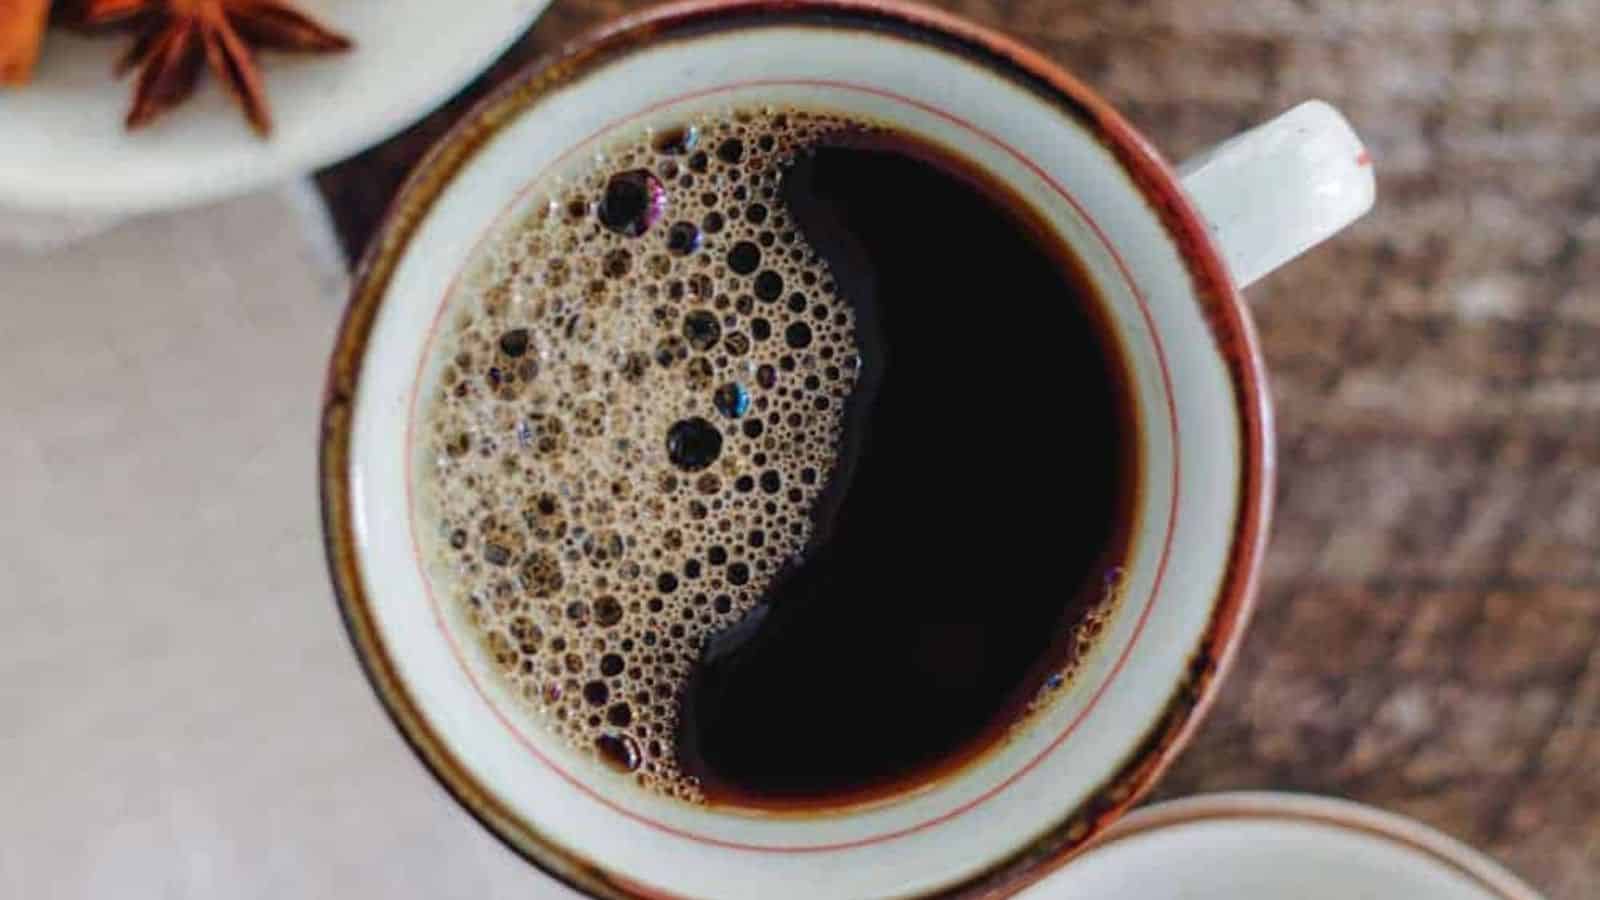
(1271, 193)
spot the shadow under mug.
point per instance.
(1167, 251)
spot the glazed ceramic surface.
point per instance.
(1201, 405)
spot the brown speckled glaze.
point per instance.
(1222, 304)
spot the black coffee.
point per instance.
(980, 494)
(784, 462)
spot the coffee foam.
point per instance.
(641, 396)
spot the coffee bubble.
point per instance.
(617, 462)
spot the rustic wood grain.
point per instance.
(1428, 637)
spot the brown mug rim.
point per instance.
(1220, 300)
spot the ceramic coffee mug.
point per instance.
(1168, 250)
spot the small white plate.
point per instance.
(63, 148)
(1265, 846)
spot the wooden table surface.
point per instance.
(1428, 634)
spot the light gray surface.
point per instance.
(181, 715)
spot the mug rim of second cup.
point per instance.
(1222, 305)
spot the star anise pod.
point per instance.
(178, 37)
